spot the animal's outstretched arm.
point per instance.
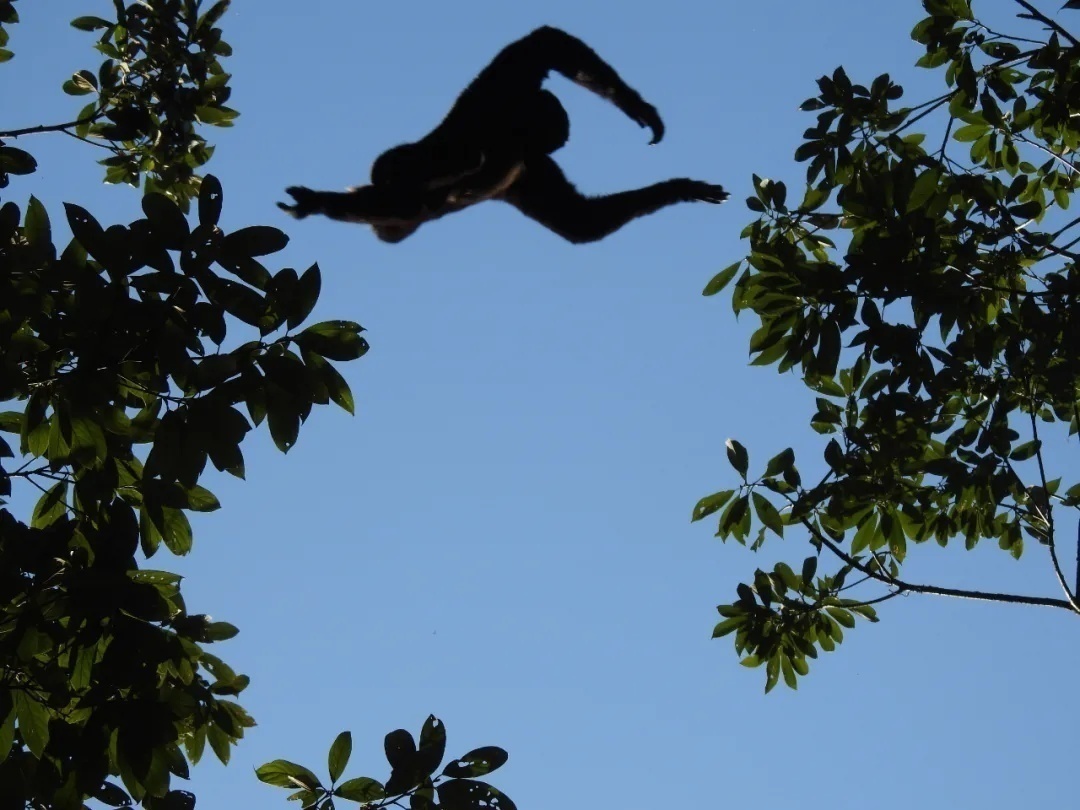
(366, 205)
(548, 48)
(545, 195)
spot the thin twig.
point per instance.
(1049, 518)
(98, 144)
(1038, 15)
(1012, 37)
(937, 103)
(1023, 139)
(1078, 557)
(945, 140)
(891, 595)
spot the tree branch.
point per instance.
(934, 590)
(15, 133)
(1035, 14)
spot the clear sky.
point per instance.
(501, 535)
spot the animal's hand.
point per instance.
(647, 116)
(700, 191)
(643, 113)
(304, 205)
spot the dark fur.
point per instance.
(495, 144)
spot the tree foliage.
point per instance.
(130, 358)
(160, 79)
(413, 776)
(940, 336)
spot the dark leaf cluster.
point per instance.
(414, 775)
(119, 350)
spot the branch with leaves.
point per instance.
(931, 312)
(413, 776)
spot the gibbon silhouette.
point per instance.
(495, 144)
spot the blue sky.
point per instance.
(501, 535)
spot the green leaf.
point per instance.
(1029, 210)
(400, 749)
(828, 356)
(338, 758)
(710, 504)
(789, 672)
(729, 626)
(33, 719)
(16, 161)
(772, 673)
(210, 199)
(79, 85)
(932, 59)
(926, 186)
(338, 389)
(306, 295)
(282, 417)
(1026, 450)
(256, 240)
(361, 789)
(768, 514)
(737, 457)
(787, 576)
(721, 279)
(803, 152)
(216, 116)
(334, 340)
(90, 23)
(970, 132)
(432, 745)
(478, 762)
(215, 13)
(841, 615)
(200, 499)
(814, 198)
(88, 441)
(7, 725)
(282, 773)
(780, 462)
(51, 506)
(220, 631)
(168, 222)
(865, 534)
(13, 421)
(466, 794)
(175, 531)
(36, 227)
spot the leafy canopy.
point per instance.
(940, 337)
(130, 358)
